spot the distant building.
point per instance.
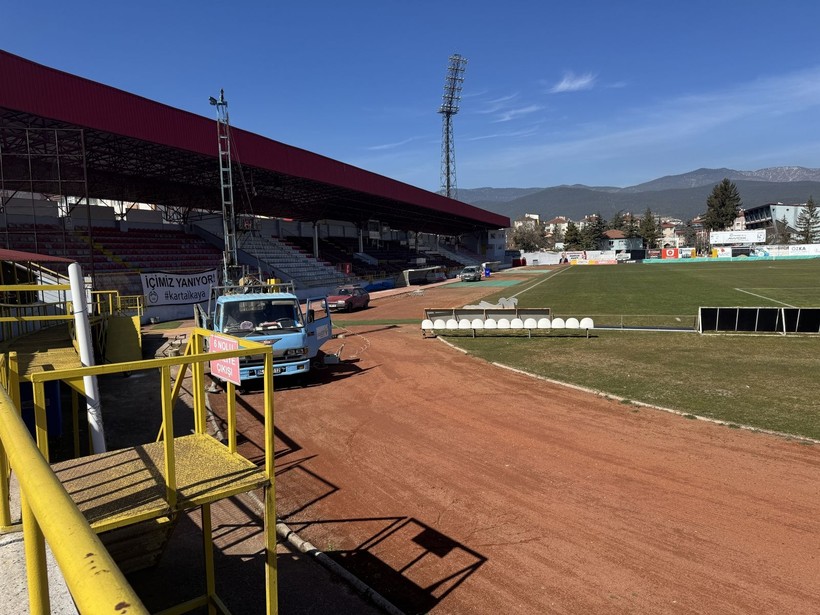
(556, 225)
(740, 221)
(765, 217)
(588, 219)
(527, 220)
(701, 233)
(669, 237)
(616, 240)
(531, 220)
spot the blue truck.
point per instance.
(269, 314)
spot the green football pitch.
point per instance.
(642, 294)
(763, 381)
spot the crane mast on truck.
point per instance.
(230, 262)
(244, 307)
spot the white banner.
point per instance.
(177, 288)
(804, 250)
(724, 237)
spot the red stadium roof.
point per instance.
(140, 150)
(16, 256)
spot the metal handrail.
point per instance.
(49, 515)
(107, 302)
(194, 358)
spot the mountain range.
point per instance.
(675, 196)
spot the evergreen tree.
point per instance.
(649, 229)
(617, 223)
(808, 223)
(631, 227)
(658, 230)
(593, 232)
(782, 234)
(572, 237)
(557, 237)
(722, 206)
(689, 234)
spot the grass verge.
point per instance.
(768, 382)
(739, 379)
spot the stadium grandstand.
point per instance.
(131, 188)
(125, 185)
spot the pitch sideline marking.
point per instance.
(549, 277)
(740, 290)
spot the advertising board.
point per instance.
(724, 237)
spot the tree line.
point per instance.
(722, 207)
(587, 236)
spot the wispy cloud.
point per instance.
(385, 146)
(497, 104)
(512, 114)
(691, 127)
(476, 94)
(573, 83)
(527, 132)
(507, 108)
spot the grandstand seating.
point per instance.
(460, 257)
(117, 256)
(172, 250)
(53, 240)
(287, 260)
(392, 257)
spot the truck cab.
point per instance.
(273, 315)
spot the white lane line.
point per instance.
(764, 297)
(549, 277)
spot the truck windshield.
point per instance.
(260, 315)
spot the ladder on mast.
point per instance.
(230, 260)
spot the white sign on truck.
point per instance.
(225, 369)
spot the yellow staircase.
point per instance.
(132, 497)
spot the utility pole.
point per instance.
(453, 83)
(230, 260)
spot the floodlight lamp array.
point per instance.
(453, 83)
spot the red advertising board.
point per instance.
(670, 253)
(225, 369)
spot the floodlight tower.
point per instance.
(230, 261)
(453, 83)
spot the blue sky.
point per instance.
(591, 92)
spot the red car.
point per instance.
(348, 298)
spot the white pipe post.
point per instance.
(92, 392)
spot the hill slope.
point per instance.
(680, 196)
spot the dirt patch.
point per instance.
(411, 304)
(453, 486)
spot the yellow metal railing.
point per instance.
(194, 359)
(54, 303)
(105, 302)
(49, 515)
(28, 307)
